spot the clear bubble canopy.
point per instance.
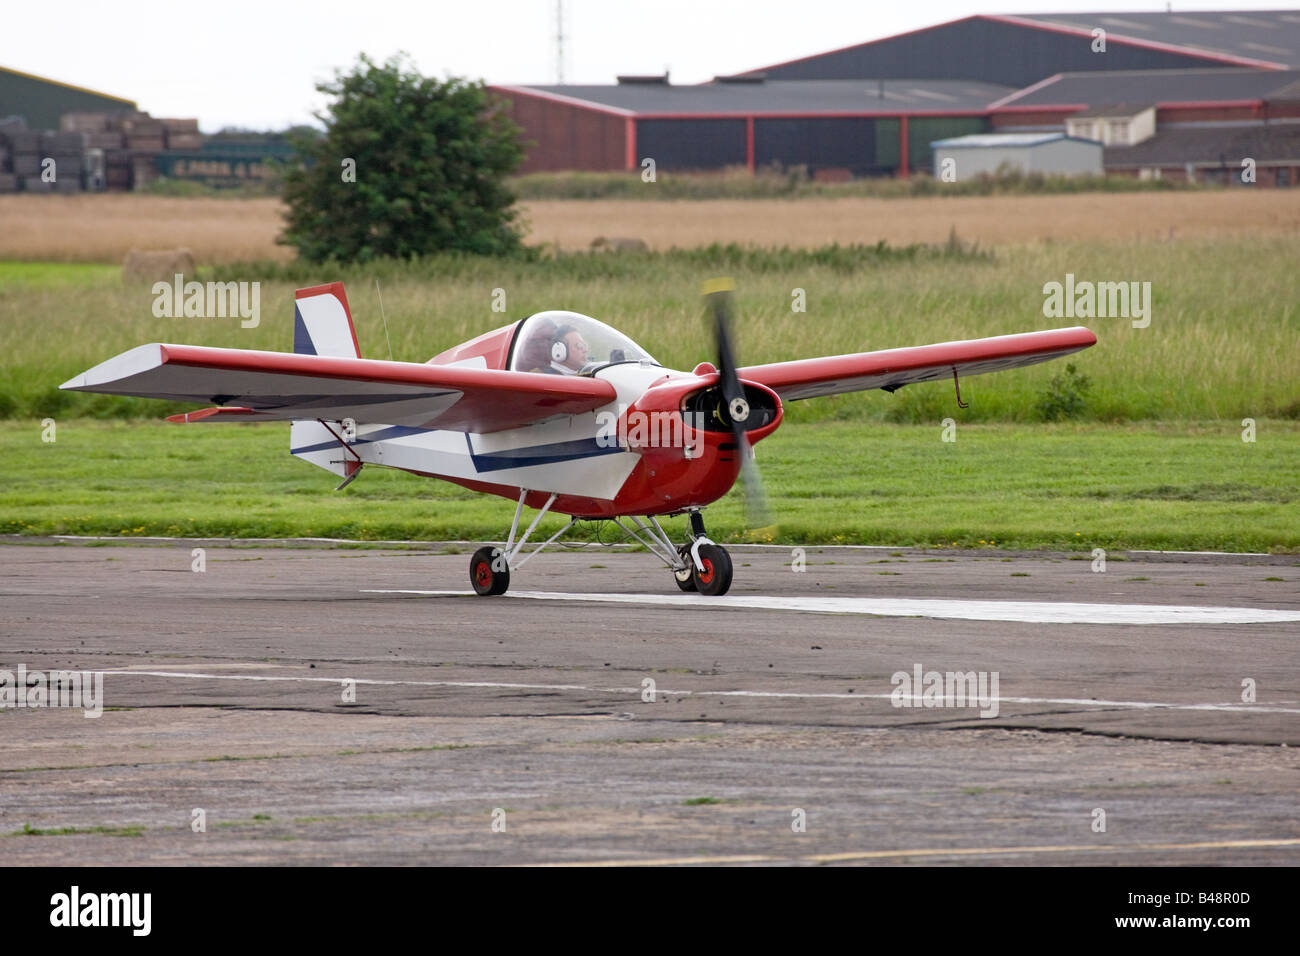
(569, 343)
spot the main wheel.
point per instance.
(488, 572)
(715, 579)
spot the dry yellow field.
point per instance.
(990, 220)
(103, 228)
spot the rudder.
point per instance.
(322, 325)
(322, 322)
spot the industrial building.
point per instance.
(55, 137)
(1147, 80)
(41, 102)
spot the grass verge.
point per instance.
(1186, 486)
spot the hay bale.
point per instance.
(21, 140)
(156, 265)
(144, 144)
(84, 122)
(618, 244)
(186, 141)
(63, 144)
(106, 140)
(27, 164)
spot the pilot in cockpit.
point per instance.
(568, 352)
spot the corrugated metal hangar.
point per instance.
(100, 142)
(875, 108)
(41, 102)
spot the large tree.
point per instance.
(407, 166)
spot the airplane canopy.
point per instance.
(569, 343)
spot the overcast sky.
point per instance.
(254, 63)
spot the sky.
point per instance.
(255, 63)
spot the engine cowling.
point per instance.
(683, 431)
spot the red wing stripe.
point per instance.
(394, 373)
(222, 411)
(284, 386)
(814, 375)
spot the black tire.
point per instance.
(487, 572)
(715, 580)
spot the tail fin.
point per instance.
(322, 322)
(322, 325)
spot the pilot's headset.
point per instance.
(559, 347)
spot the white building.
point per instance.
(1114, 125)
(1049, 153)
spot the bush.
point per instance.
(1065, 395)
(408, 166)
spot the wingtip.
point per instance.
(125, 364)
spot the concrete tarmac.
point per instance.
(339, 705)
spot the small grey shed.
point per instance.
(1052, 153)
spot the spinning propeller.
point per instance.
(736, 406)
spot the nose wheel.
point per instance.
(715, 577)
(702, 565)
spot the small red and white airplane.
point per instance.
(557, 411)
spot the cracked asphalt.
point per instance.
(314, 721)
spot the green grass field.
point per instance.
(1152, 458)
(1223, 343)
(1063, 487)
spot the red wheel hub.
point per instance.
(707, 574)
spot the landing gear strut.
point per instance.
(489, 569)
(698, 565)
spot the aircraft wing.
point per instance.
(283, 386)
(893, 368)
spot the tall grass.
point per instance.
(1223, 343)
(795, 183)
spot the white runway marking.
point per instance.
(1026, 612)
(636, 691)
